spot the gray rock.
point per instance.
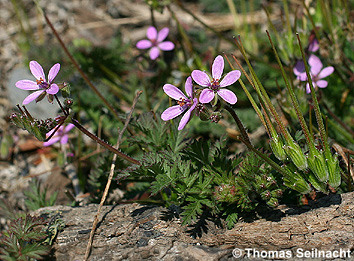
(137, 232)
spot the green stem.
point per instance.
(316, 107)
(248, 94)
(293, 98)
(311, 20)
(265, 158)
(263, 94)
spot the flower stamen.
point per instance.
(181, 102)
(40, 81)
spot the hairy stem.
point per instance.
(316, 107)
(293, 98)
(239, 123)
(72, 59)
(103, 143)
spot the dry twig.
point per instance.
(110, 177)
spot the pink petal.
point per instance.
(162, 34)
(64, 139)
(53, 89)
(151, 33)
(217, 67)
(32, 97)
(206, 96)
(322, 83)
(186, 117)
(51, 131)
(154, 53)
(53, 140)
(69, 127)
(36, 70)
(314, 45)
(188, 87)
(166, 46)
(27, 85)
(172, 112)
(174, 92)
(308, 90)
(227, 95)
(302, 76)
(53, 72)
(201, 78)
(143, 44)
(299, 68)
(316, 64)
(230, 78)
(326, 72)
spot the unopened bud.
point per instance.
(317, 165)
(215, 116)
(334, 177)
(318, 185)
(296, 155)
(37, 132)
(203, 112)
(266, 195)
(295, 181)
(65, 89)
(277, 193)
(273, 202)
(276, 144)
(225, 193)
(16, 119)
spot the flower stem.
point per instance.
(239, 123)
(316, 107)
(261, 92)
(72, 59)
(103, 143)
(265, 157)
(294, 101)
(61, 106)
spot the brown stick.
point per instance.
(110, 177)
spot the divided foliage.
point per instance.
(23, 240)
(199, 176)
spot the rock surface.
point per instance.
(136, 232)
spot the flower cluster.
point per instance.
(213, 86)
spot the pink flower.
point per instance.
(183, 101)
(316, 72)
(41, 84)
(155, 42)
(61, 135)
(215, 86)
(314, 45)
